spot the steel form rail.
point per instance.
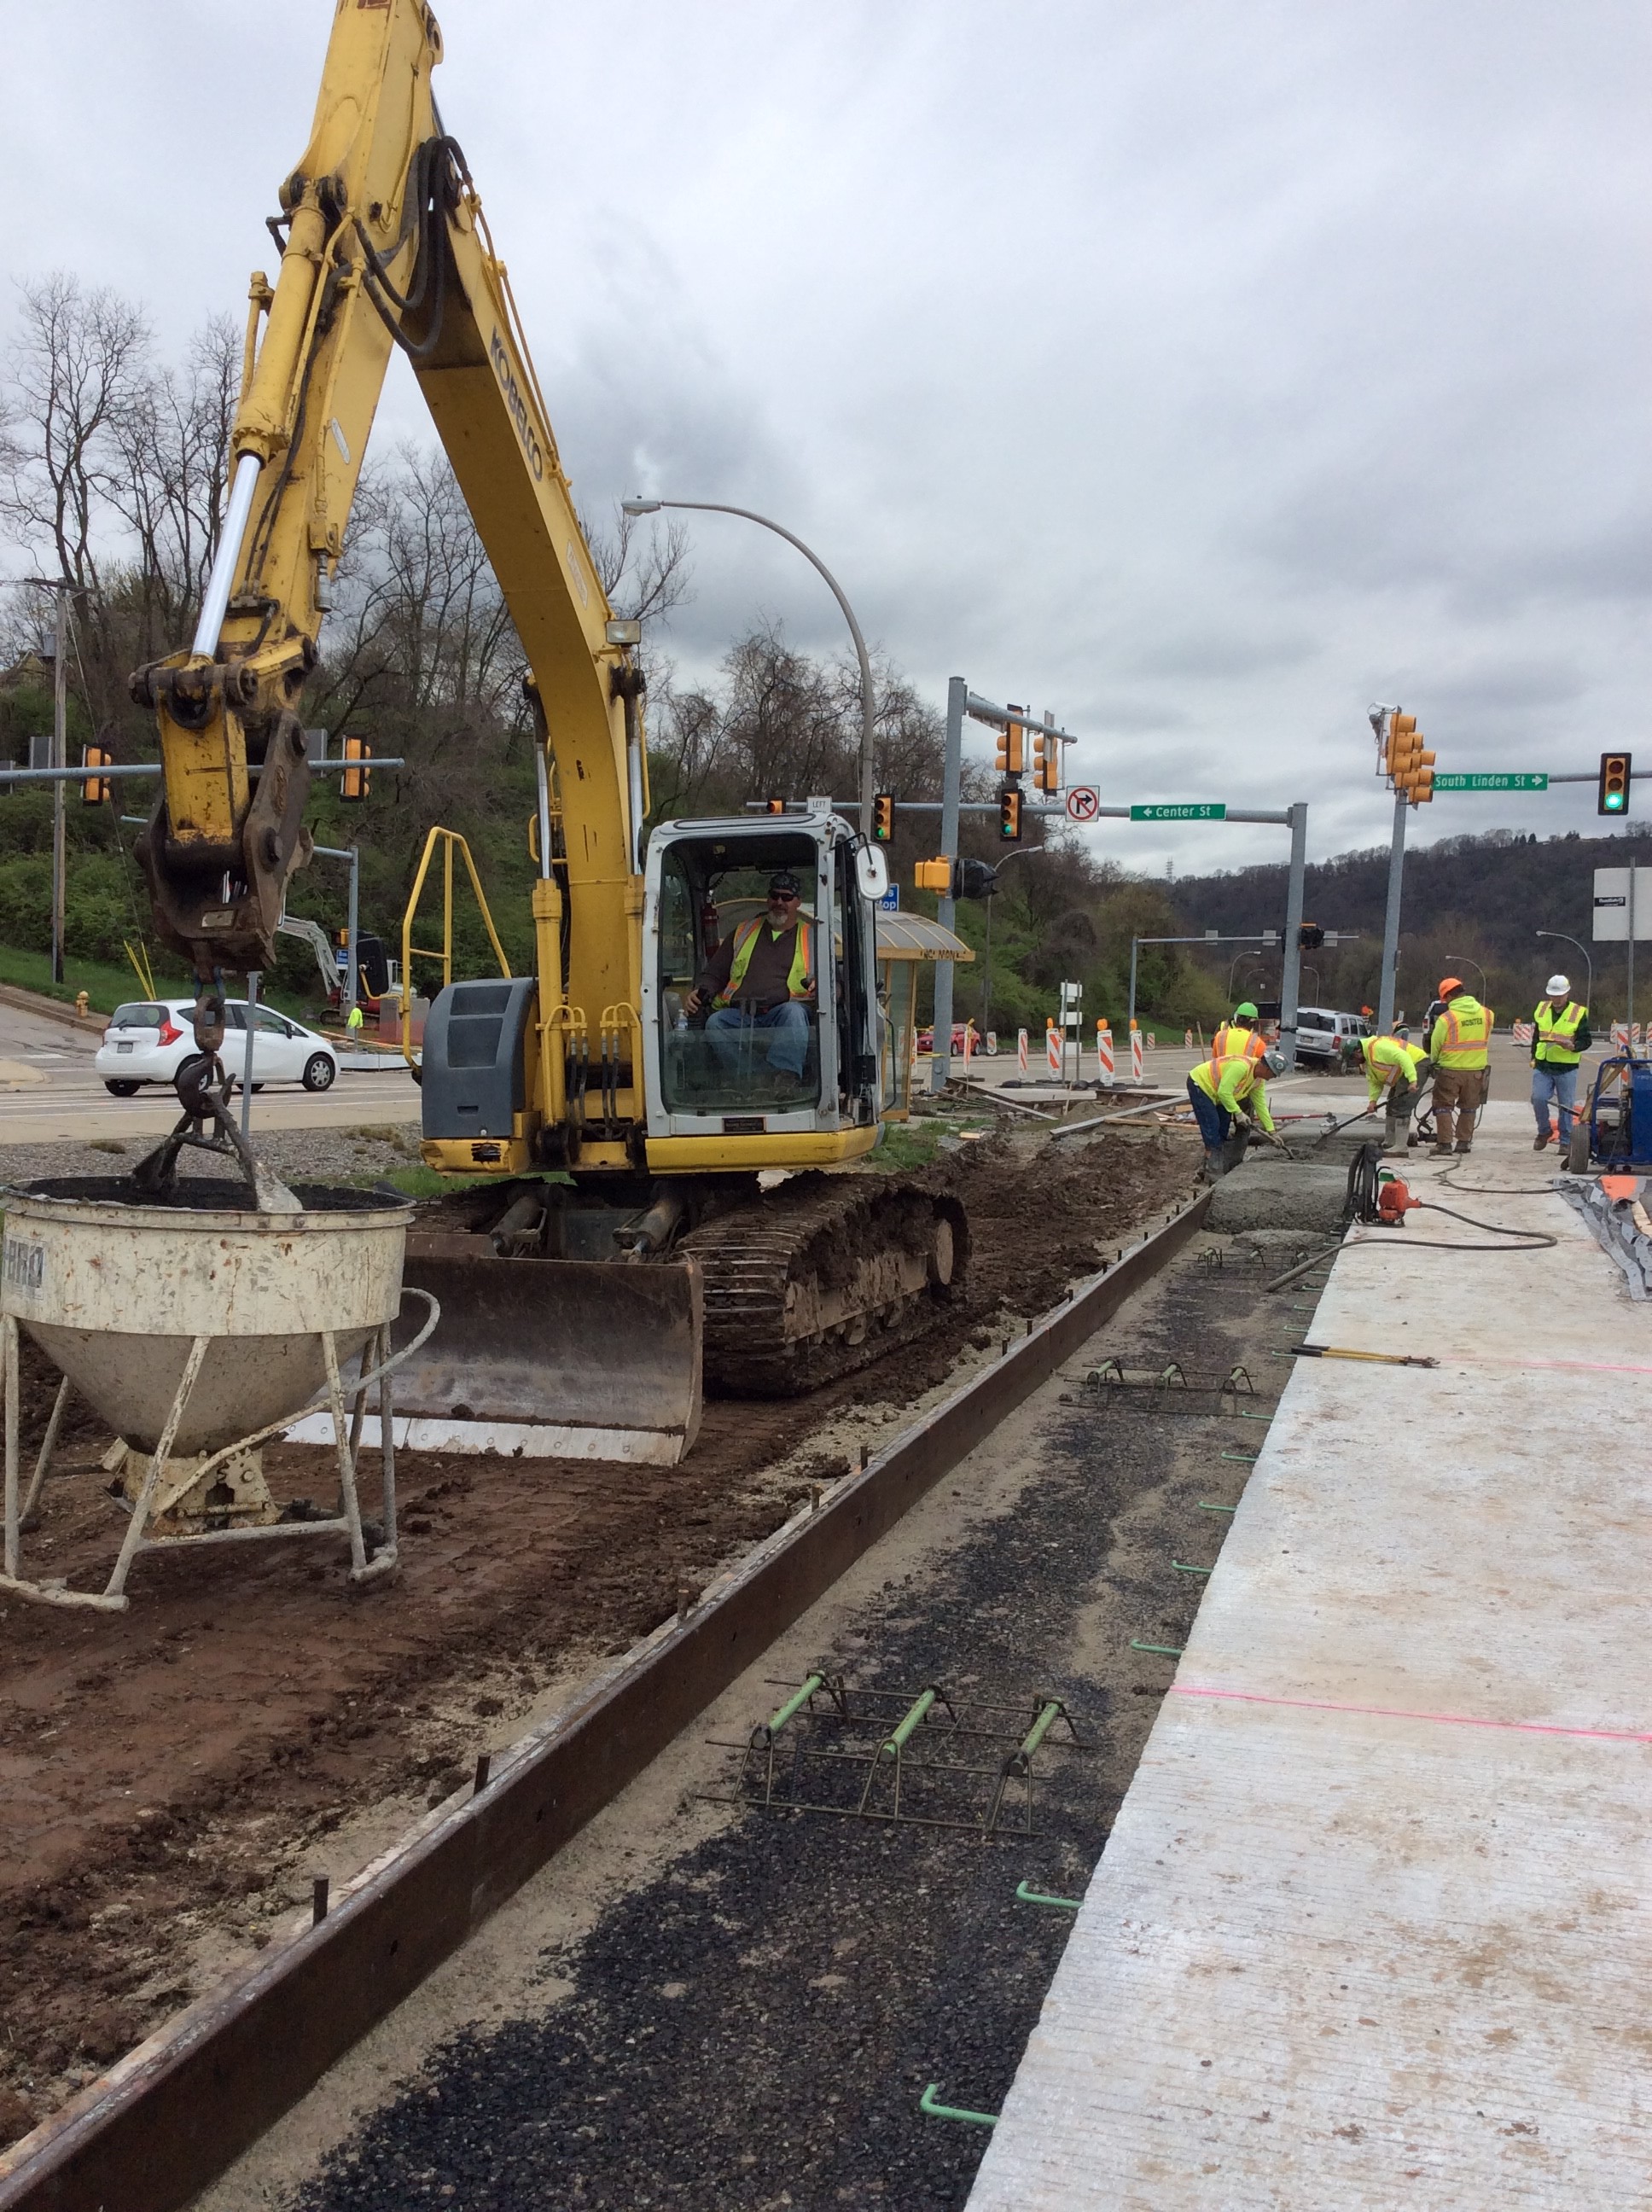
(167, 2120)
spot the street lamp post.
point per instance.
(1452, 958)
(868, 769)
(1577, 947)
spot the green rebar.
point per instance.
(897, 1740)
(1182, 1568)
(1204, 1506)
(1041, 1728)
(1247, 1459)
(1244, 1416)
(927, 2103)
(1161, 1651)
(795, 1703)
(1038, 1897)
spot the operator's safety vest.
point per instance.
(1467, 1033)
(1247, 1044)
(799, 984)
(1557, 1033)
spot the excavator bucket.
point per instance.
(553, 1358)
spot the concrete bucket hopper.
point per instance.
(197, 1328)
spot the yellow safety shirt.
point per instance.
(1462, 1034)
(1251, 1044)
(1557, 1033)
(1232, 1079)
(1388, 1060)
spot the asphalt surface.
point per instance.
(49, 1093)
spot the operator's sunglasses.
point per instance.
(786, 898)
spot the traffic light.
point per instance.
(1409, 768)
(883, 816)
(934, 876)
(1310, 937)
(1614, 784)
(776, 805)
(96, 788)
(955, 879)
(353, 784)
(1009, 812)
(1047, 762)
(1011, 747)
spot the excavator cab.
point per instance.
(723, 1073)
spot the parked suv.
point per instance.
(1323, 1033)
(145, 1041)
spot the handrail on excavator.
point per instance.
(410, 952)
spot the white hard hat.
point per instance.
(1274, 1060)
(1558, 987)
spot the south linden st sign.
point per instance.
(1496, 779)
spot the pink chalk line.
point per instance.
(1398, 1713)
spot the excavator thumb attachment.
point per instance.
(554, 1358)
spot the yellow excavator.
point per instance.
(581, 1307)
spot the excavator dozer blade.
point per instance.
(552, 1359)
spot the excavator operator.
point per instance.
(762, 976)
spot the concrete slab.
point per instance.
(1371, 1927)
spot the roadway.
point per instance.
(49, 1093)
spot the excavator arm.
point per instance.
(384, 243)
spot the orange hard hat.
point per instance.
(1448, 984)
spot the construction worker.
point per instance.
(1241, 1034)
(353, 1022)
(1392, 1065)
(1458, 1049)
(762, 977)
(1560, 1037)
(1228, 1095)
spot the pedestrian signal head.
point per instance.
(1613, 798)
(934, 876)
(96, 788)
(353, 784)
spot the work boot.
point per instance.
(1539, 1140)
(1215, 1166)
(1441, 1153)
(1462, 1150)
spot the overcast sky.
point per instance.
(1199, 372)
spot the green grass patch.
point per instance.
(908, 1145)
(108, 985)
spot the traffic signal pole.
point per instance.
(1391, 919)
(940, 1055)
(1291, 968)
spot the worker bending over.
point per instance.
(762, 976)
(1458, 1049)
(1241, 1034)
(1393, 1068)
(1228, 1096)
(1560, 1037)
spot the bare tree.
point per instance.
(75, 371)
(643, 574)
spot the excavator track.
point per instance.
(822, 1276)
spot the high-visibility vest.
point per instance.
(1230, 1038)
(799, 982)
(1468, 1026)
(1557, 1033)
(1387, 1058)
(1209, 1074)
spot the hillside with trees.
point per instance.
(1466, 899)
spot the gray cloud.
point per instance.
(1197, 373)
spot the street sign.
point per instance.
(1215, 811)
(891, 902)
(1497, 780)
(1611, 897)
(1083, 801)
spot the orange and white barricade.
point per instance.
(1053, 1055)
(991, 1044)
(1523, 1033)
(1135, 1054)
(1188, 1039)
(1021, 1050)
(1104, 1052)
(1620, 1034)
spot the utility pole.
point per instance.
(1391, 920)
(59, 759)
(940, 1055)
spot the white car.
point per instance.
(145, 1041)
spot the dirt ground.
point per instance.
(168, 1775)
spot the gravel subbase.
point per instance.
(314, 1155)
(754, 2027)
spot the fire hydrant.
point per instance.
(83, 1004)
